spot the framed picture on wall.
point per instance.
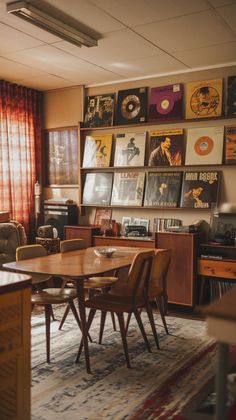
(61, 157)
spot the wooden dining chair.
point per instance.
(50, 296)
(157, 290)
(130, 299)
(92, 284)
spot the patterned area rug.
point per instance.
(157, 387)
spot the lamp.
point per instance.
(44, 20)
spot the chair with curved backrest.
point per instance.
(47, 297)
(131, 298)
(157, 289)
(32, 251)
(90, 284)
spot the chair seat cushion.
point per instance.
(53, 295)
(99, 282)
(114, 303)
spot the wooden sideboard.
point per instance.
(123, 241)
(216, 264)
(15, 368)
(182, 276)
(85, 232)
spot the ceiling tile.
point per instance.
(138, 12)
(10, 69)
(150, 65)
(229, 15)
(218, 3)
(59, 63)
(216, 54)
(192, 31)
(15, 40)
(45, 82)
(116, 46)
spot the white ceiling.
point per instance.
(136, 39)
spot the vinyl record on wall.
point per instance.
(166, 103)
(131, 106)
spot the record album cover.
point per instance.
(97, 188)
(231, 96)
(131, 106)
(163, 189)
(99, 110)
(230, 145)
(166, 148)
(130, 149)
(204, 99)
(128, 188)
(166, 103)
(200, 189)
(97, 151)
(204, 146)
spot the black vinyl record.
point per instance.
(132, 106)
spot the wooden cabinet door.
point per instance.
(182, 272)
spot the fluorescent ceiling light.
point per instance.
(45, 21)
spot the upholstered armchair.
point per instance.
(12, 235)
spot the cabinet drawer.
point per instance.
(224, 269)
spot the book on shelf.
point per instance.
(204, 146)
(130, 149)
(99, 110)
(166, 148)
(101, 214)
(97, 151)
(230, 145)
(97, 188)
(163, 189)
(200, 189)
(162, 224)
(128, 188)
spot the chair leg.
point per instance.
(113, 321)
(127, 322)
(159, 301)
(123, 336)
(64, 316)
(152, 323)
(75, 313)
(47, 309)
(102, 323)
(52, 313)
(141, 327)
(89, 322)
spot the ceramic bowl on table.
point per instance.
(104, 252)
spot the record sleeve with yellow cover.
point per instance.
(97, 151)
(204, 99)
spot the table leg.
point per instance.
(221, 382)
(82, 313)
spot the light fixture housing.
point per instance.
(44, 20)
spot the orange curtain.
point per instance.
(20, 151)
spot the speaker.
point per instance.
(58, 215)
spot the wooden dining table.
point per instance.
(78, 265)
